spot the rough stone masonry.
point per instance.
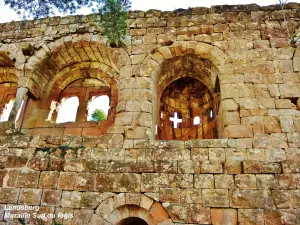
(203, 125)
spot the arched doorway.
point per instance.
(187, 111)
(132, 221)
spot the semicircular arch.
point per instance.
(55, 59)
(115, 209)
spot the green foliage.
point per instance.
(98, 115)
(44, 8)
(294, 37)
(113, 19)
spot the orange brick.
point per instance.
(158, 212)
(93, 131)
(73, 131)
(59, 131)
(41, 131)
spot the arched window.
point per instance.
(188, 111)
(7, 110)
(97, 105)
(67, 110)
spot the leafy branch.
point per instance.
(295, 37)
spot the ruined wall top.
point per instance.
(55, 27)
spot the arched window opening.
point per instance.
(98, 108)
(188, 111)
(132, 221)
(197, 120)
(67, 110)
(7, 110)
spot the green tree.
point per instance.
(113, 19)
(44, 8)
(98, 115)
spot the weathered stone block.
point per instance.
(215, 198)
(229, 105)
(245, 181)
(84, 182)
(275, 155)
(178, 212)
(51, 197)
(284, 104)
(30, 196)
(285, 181)
(217, 154)
(223, 181)
(286, 123)
(71, 199)
(211, 167)
(291, 90)
(93, 199)
(9, 195)
(281, 198)
(271, 125)
(238, 131)
(48, 179)
(233, 167)
(190, 196)
(66, 181)
(265, 181)
(240, 198)
(162, 166)
(204, 181)
(152, 181)
(137, 132)
(199, 214)
(181, 180)
(81, 216)
(252, 166)
(169, 194)
(28, 179)
(231, 118)
(250, 216)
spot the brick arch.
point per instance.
(152, 62)
(55, 58)
(82, 70)
(127, 205)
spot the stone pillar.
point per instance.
(20, 96)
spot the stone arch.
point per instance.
(82, 70)
(8, 73)
(58, 58)
(131, 205)
(178, 54)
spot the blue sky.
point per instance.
(9, 15)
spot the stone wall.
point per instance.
(224, 181)
(243, 57)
